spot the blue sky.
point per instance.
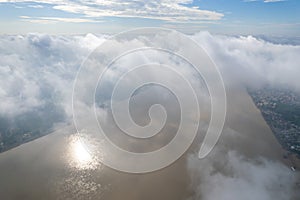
(267, 17)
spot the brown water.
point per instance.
(58, 167)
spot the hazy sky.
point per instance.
(268, 17)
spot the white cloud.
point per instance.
(240, 178)
(51, 20)
(253, 61)
(32, 63)
(271, 1)
(176, 10)
(265, 1)
(35, 6)
(35, 68)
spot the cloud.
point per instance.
(240, 178)
(35, 6)
(35, 63)
(272, 1)
(252, 61)
(265, 1)
(51, 20)
(39, 69)
(167, 10)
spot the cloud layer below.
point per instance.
(36, 69)
(240, 178)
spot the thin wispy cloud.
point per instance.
(166, 10)
(271, 1)
(265, 1)
(51, 20)
(119, 15)
(36, 6)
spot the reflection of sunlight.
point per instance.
(80, 153)
(80, 158)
